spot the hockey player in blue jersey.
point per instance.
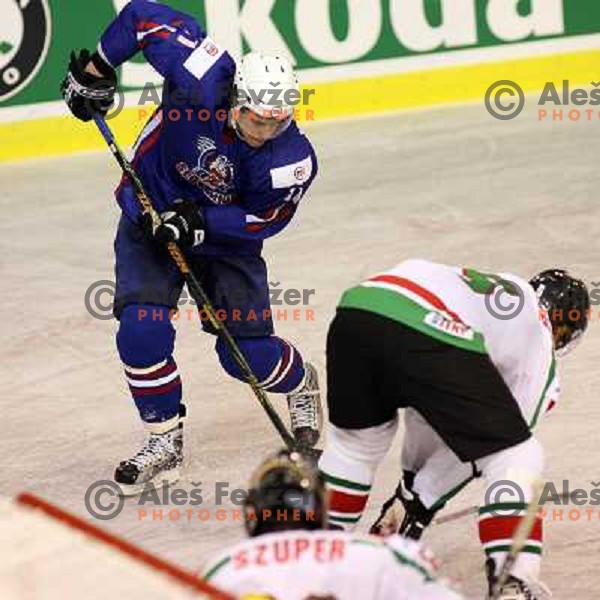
(226, 167)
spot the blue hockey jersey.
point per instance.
(188, 150)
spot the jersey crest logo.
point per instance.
(211, 49)
(213, 173)
(300, 173)
(25, 30)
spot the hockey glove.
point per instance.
(87, 94)
(403, 513)
(183, 224)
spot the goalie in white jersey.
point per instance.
(471, 356)
(289, 555)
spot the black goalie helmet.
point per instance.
(286, 492)
(567, 301)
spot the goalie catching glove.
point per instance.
(86, 93)
(183, 224)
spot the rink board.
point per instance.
(403, 84)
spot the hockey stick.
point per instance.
(520, 538)
(196, 290)
(474, 510)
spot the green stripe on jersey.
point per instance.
(402, 309)
(551, 374)
(213, 570)
(399, 556)
(404, 560)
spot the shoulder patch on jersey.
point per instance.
(291, 175)
(203, 58)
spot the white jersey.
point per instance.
(327, 565)
(497, 314)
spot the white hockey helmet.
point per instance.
(268, 86)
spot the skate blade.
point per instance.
(158, 482)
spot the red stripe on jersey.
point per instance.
(271, 217)
(144, 25)
(161, 34)
(162, 372)
(154, 391)
(503, 528)
(146, 146)
(407, 284)
(148, 143)
(347, 503)
(255, 228)
(285, 361)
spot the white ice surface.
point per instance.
(453, 185)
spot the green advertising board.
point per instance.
(36, 36)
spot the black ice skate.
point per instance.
(306, 413)
(158, 461)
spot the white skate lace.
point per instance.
(303, 410)
(520, 590)
(515, 590)
(539, 590)
(152, 451)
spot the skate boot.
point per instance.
(306, 413)
(158, 461)
(514, 588)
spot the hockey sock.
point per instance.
(145, 341)
(276, 363)
(348, 466)
(497, 526)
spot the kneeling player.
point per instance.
(290, 556)
(428, 337)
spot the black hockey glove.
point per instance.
(183, 224)
(403, 513)
(87, 94)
